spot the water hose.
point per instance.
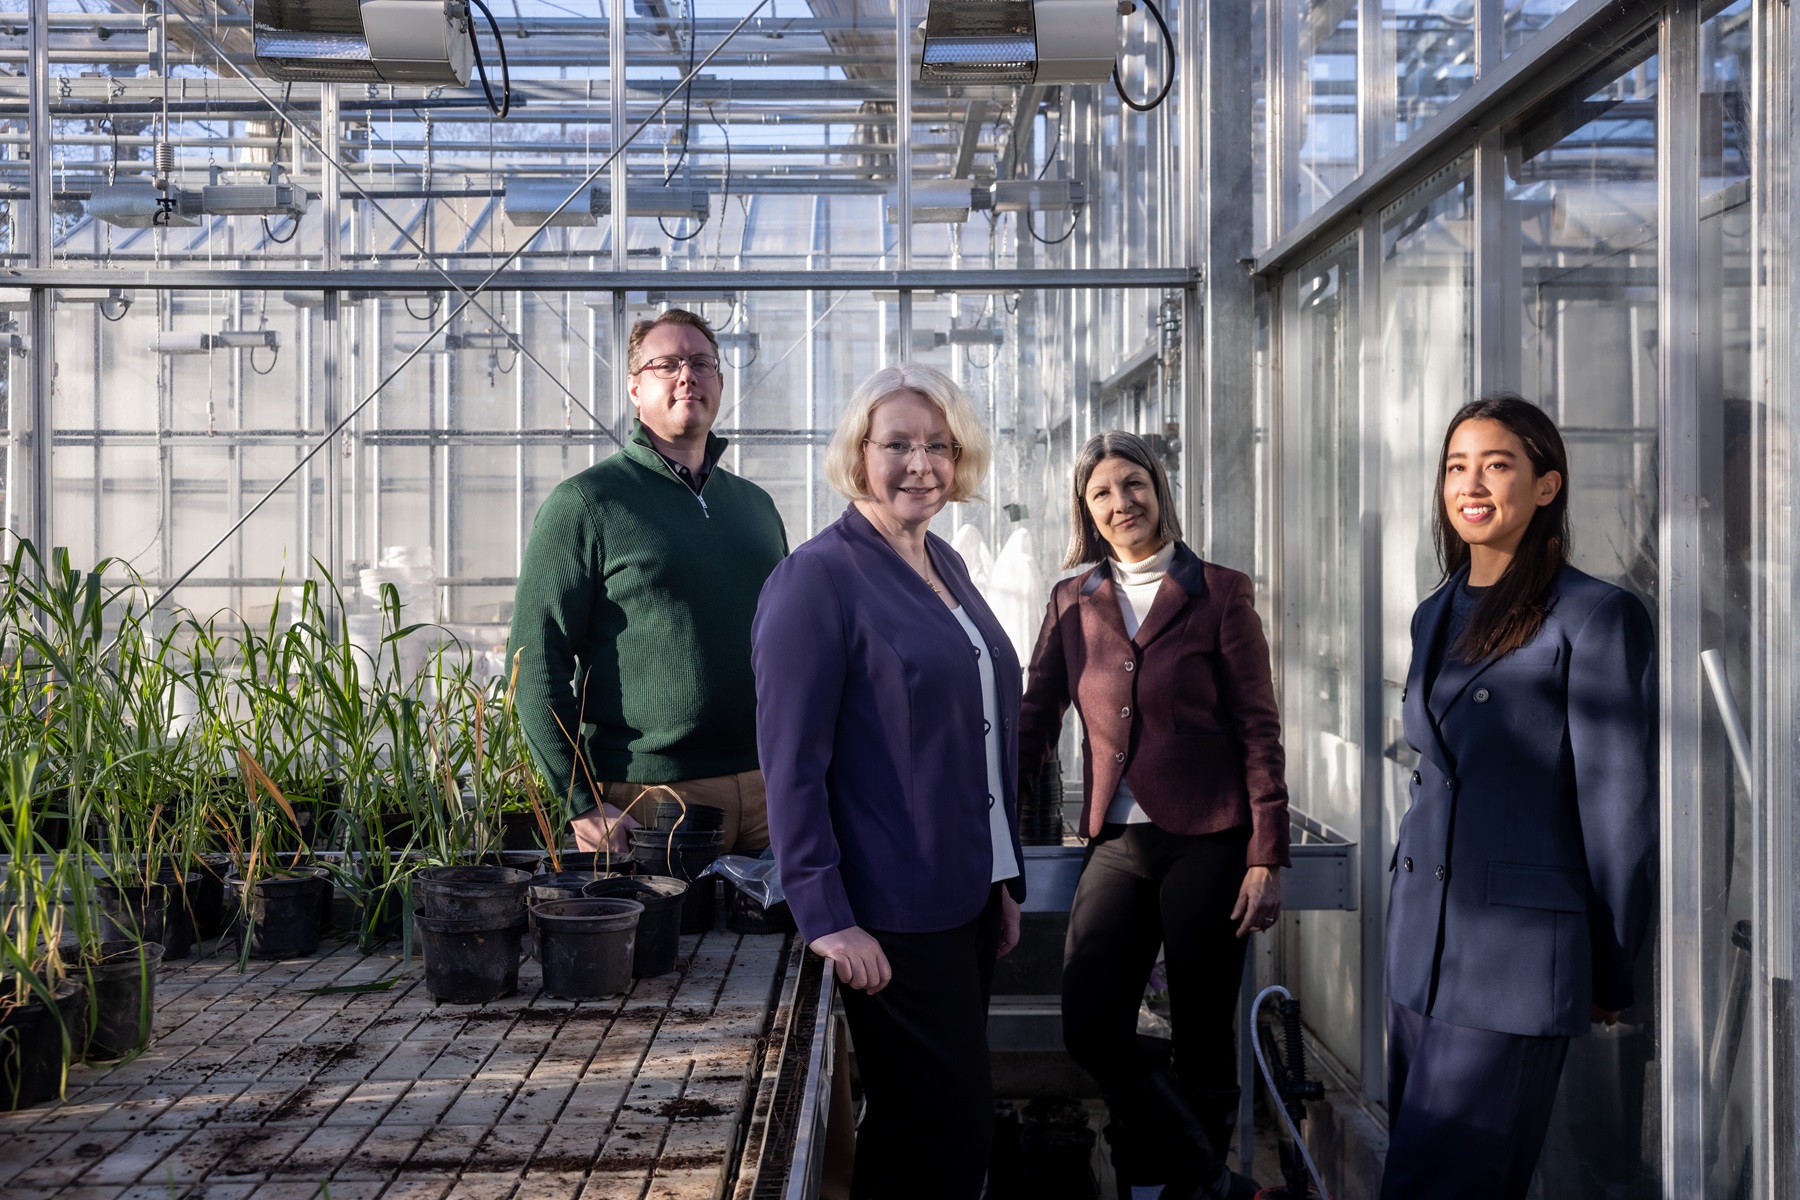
(1295, 1070)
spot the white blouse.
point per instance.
(1005, 864)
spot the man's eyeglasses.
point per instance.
(900, 451)
(704, 366)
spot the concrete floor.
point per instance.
(254, 1088)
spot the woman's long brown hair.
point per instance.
(1513, 610)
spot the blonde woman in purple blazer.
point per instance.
(887, 716)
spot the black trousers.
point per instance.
(921, 1046)
(1468, 1108)
(1143, 888)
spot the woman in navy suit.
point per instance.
(887, 708)
(1524, 868)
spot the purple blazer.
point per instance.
(869, 730)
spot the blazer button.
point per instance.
(1417, 779)
(1131, 666)
(1119, 757)
(1481, 695)
(1440, 872)
(1126, 711)
(1407, 863)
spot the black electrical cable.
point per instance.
(505, 105)
(1074, 223)
(274, 357)
(687, 126)
(275, 163)
(437, 302)
(1168, 79)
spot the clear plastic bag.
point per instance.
(757, 878)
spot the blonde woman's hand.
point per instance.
(857, 957)
(1259, 900)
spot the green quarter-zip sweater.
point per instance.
(631, 622)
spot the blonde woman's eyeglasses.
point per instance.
(901, 451)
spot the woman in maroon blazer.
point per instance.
(1164, 657)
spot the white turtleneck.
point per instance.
(1136, 584)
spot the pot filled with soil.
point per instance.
(36, 1039)
(282, 911)
(471, 960)
(586, 946)
(121, 997)
(471, 893)
(206, 896)
(658, 942)
(746, 914)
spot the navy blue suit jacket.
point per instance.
(1524, 875)
(869, 728)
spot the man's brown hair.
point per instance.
(634, 349)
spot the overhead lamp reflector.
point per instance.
(137, 205)
(1019, 41)
(935, 200)
(532, 202)
(364, 41)
(1037, 195)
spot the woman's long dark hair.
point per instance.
(1513, 610)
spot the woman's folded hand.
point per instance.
(857, 957)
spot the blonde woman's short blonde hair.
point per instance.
(844, 456)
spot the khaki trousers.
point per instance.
(740, 796)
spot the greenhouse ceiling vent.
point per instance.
(423, 42)
(1019, 41)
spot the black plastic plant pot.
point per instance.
(675, 852)
(744, 914)
(586, 946)
(121, 994)
(281, 911)
(470, 960)
(691, 818)
(658, 945)
(32, 1044)
(159, 912)
(560, 885)
(294, 861)
(474, 893)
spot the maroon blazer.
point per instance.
(1184, 712)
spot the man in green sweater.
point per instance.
(631, 622)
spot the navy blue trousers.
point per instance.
(1467, 1108)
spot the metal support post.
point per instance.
(1227, 396)
(1682, 1037)
(38, 523)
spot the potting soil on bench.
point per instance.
(253, 1088)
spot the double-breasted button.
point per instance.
(1417, 779)
(1006, 722)
(1126, 711)
(1481, 695)
(1407, 863)
(1440, 872)
(1449, 785)
(1131, 666)
(1119, 757)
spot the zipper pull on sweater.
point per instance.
(703, 508)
